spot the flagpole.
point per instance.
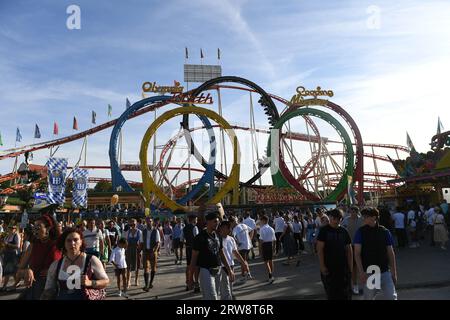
(15, 166)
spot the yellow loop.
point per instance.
(149, 184)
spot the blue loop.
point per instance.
(118, 179)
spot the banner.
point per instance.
(57, 169)
(80, 184)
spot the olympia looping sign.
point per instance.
(302, 92)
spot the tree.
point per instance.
(103, 186)
(25, 195)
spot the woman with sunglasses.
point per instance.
(76, 270)
(10, 255)
(39, 256)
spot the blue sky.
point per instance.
(391, 76)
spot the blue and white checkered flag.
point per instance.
(57, 170)
(80, 184)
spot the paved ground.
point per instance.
(424, 273)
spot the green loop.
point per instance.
(279, 180)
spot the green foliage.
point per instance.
(103, 186)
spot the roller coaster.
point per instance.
(317, 167)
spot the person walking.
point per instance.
(208, 255)
(10, 255)
(267, 243)
(352, 223)
(41, 253)
(279, 225)
(61, 271)
(230, 250)
(177, 242)
(251, 223)
(290, 248)
(190, 231)
(151, 239)
(374, 247)
(243, 235)
(400, 230)
(119, 261)
(93, 239)
(134, 240)
(167, 230)
(104, 255)
(334, 248)
(440, 229)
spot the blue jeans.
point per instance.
(209, 284)
(387, 289)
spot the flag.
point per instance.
(409, 143)
(75, 124)
(440, 127)
(186, 53)
(218, 54)
(128, 104)
(80, 184)
(109, 110)
(94, 115)
(55, 128)
(201, 53)
(37, 132)
(1, 142)
(57, 169)
(18, 135)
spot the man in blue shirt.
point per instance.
(177, 243)
(374, 253)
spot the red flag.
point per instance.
(55, 129)
(75, 124)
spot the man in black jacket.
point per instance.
(334, 248)
(374, 253)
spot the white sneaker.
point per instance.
(119, 294)
(249, 276)
(355, 290)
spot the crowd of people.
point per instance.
(45, 255)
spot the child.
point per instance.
(229, 249)
(118, 260)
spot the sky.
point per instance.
(387, 62)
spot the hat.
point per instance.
(212, 216)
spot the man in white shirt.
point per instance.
(411, 227)
(249, 221)
(229, 249)
(430, 223)
(93, 239)
(400, 231)
(267, 240)
(243, 235)
(279, 225)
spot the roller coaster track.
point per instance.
(12, 153)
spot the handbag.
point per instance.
(92, 293)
